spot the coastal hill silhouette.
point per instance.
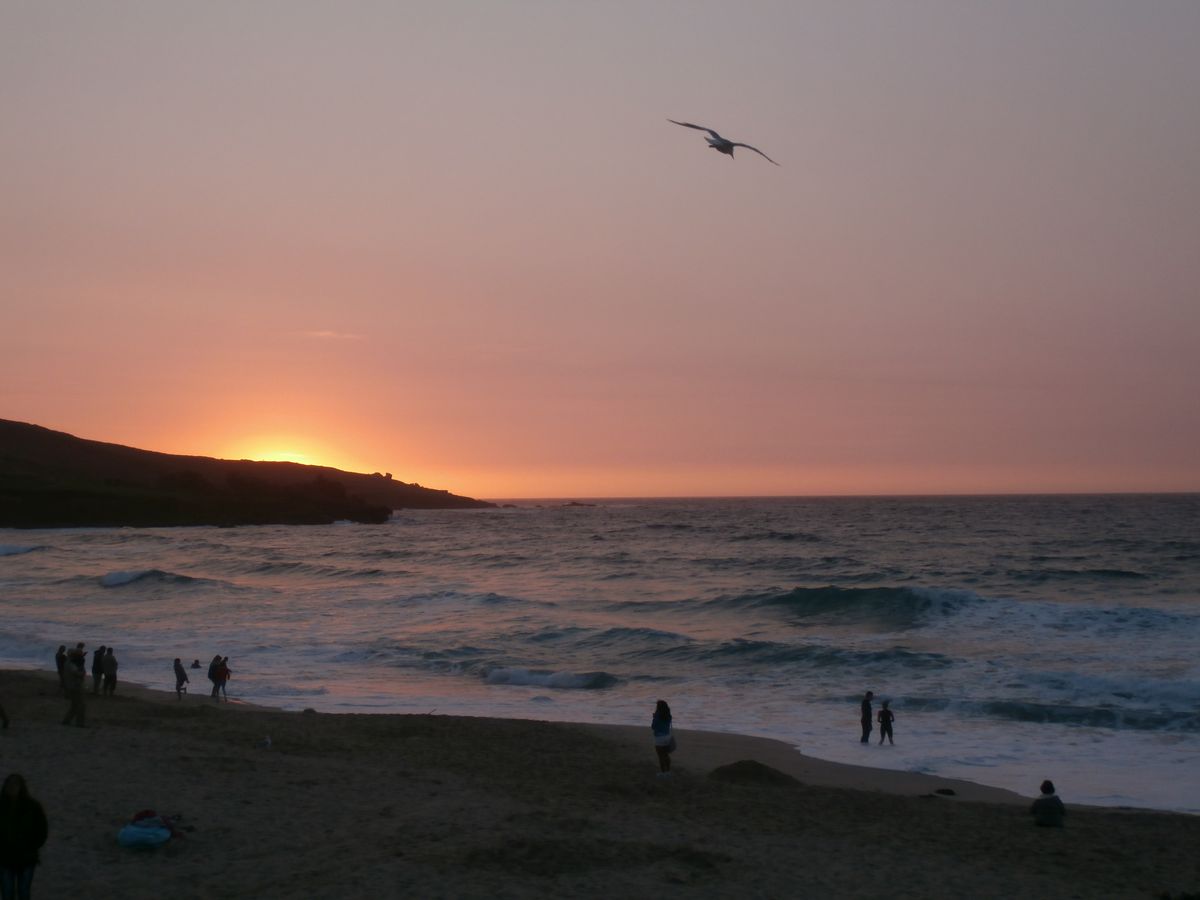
(50, 479)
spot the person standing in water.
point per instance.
(885, 719)
(866, 717)
(664, 740)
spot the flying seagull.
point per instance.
(720, 144)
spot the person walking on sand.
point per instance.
(885, 719)
(23, 831)
(1048, 809)
(110, 673)
(97, 670)
(866, 717)
(181, 678)
(76, 674)
(60, 661)
(664, 739)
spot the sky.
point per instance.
(459, 241)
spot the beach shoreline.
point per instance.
(353, 805)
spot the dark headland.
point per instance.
(49, 479)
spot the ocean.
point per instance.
(1017, 638)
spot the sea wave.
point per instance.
(18, 549)
(740, 652)
(1039, 576)
(120, 579)
(1072, 714)
(588, 681)
(297, 567)
(886, 606)
(803, 537)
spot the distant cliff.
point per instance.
(49, 479)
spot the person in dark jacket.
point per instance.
(212, 676)
(1048, 809)
(98, 670)
(75, 676)
(23, 831)
(866, 717)
(181, 678)
(664, 740)
(110, 673)
(60, 660)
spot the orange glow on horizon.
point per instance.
(288, 448)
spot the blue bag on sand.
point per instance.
(146, 830)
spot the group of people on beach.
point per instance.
(218, 673)
(885, 717)
(72, 677)
(104, 667)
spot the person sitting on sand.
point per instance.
(22, 833)
(181, 678)
(1048, 809)
(664, 740)
(885, 719)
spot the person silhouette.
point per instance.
(23, 824)
(1048, 809)
(664, 740)
(885, 719)
(866, 716)
(181, 678)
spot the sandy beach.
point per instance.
(439, 806)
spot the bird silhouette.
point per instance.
(720, 144)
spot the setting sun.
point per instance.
(286, 448)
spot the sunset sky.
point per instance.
(460, 242)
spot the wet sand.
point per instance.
(440, 806)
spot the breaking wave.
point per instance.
(17, 549)
(120, 579)
(895, 607)
(587, 681)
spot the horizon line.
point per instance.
(982, 495)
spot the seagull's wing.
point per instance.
(698, 128)
(759, 152)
